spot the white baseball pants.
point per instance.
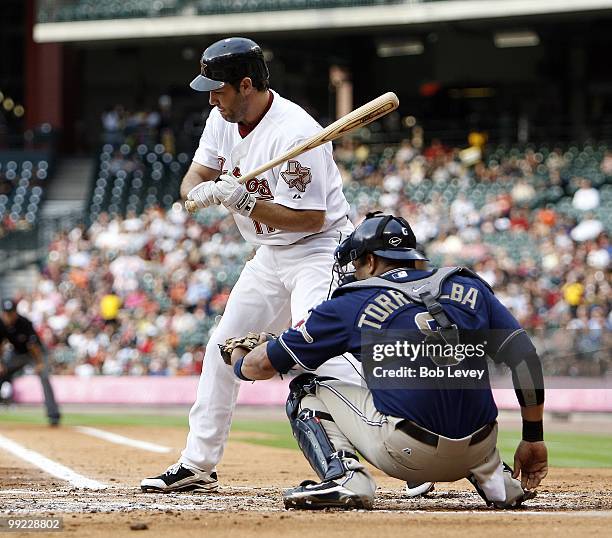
(276, 288)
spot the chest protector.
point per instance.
(424, 291)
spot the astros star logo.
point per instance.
(297, 176)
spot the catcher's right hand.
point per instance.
(247, 342)
(531, 463)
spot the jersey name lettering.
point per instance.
(459, 295)
(260, 188)
(381, 307)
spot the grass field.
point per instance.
(565, 449)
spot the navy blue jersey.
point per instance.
(337, 326)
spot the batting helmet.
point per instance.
(230, 60)
(383, 235)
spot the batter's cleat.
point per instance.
(311, 495)
(415, 489)
(181, 477)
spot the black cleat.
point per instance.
(312, 496)
(180, 477)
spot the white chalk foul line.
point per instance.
(49, 466)
(122, 440)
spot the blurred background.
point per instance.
(500, 156)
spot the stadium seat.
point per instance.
(120, 188)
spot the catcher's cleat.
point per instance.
(512, 485)
(181, 477)
(414, 489)
(311, 495)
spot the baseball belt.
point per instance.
(431, 439)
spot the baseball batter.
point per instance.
(424, 415)
(296, 213)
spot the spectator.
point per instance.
(109, 306)
(586, 197)
(606, 164)
(588, 229)
(573, 292)
(405, 153)
(523, 193)
(462, 212)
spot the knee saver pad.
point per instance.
(299, 387)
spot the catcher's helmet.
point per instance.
(383, 235)
(230, 60)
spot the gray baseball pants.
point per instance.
(358, 426)
(16, 362)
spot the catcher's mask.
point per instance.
(386, 236)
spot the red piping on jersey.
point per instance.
(244, 130)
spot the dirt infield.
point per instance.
(249, 501)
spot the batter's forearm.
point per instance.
(190, 181)
(287, 219)
(196, 175)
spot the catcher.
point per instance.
(409, 426)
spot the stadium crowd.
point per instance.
(138, 294)
(121, 125)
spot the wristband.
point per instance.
(533, 431)
(238, 370)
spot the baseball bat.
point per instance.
(377, 108)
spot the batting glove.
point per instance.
(204, 194)
(234, 195)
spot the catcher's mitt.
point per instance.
(247, 342)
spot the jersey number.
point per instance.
(261, 188)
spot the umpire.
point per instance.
(428, 415)
(26, 348)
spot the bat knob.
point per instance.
(191, 206)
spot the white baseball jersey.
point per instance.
(310, 181)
